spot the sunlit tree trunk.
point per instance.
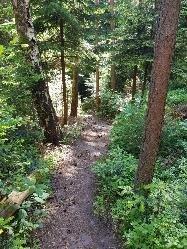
(134, 82)
(40, 92)
(164, 47)
(74, 101)
(63, 68)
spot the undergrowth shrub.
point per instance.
(110, 104)
(158, 221)
(177, 97)
(19, 157)
(128, 128)
(89, 105)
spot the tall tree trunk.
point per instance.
(164, 47)
(113, 67)
(74, 101)
(63, 68)
(134, 87)
(40, 92)
(97, 75)
(146, 67)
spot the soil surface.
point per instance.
(71, 223)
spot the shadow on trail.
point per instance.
(71, 223)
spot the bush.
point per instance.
(115, 171)
(19, 156)
(177, 97)
(89, 105)
(110, 104)
(174, 138)
(128, 128)
(158, 221)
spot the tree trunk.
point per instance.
(113, 67)
(164, 47)
(63, 68)
(40, 92)
(146, 67)
(134, 82)
(74, 101)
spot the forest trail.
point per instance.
(71, 223)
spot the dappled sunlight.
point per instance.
(70, 219)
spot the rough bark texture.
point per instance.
(40, 92)
(134, 88)
(63, 68)
(164, 47)
(74, 101)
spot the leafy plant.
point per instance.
(110, 104)
(128, 127)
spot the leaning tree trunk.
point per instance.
(134, 87)
(63, 68)
(40, 92)
(74, 101)
(164, 47)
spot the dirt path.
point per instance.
(71, 223)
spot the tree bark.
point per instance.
(74, 101)
(134, 88)
(164, 47)
(63, 68)
(40, 92)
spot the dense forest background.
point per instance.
(62, 60)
